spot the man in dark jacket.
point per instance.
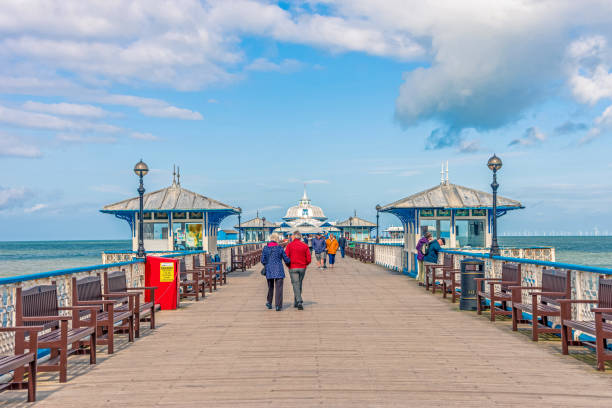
(320, 249)
(342, 243)
(434, 249)
(299, 253)
(420, 255)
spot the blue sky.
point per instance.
(361, 100)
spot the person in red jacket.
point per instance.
(299, 254)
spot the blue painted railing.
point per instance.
(560, 265)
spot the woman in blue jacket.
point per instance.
(272, 258)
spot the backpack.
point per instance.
(425, 248)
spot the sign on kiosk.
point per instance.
(163, 273)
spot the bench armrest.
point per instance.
(22, 328)
(502, 283)
(45, 318)
(592, 301)
(97, 302)
(601, 310)
(95, 309)
(116, 295)
(144, 287)
(548, 293)
(488, 279)
(525, 287)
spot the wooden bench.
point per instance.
(450, 284)
(218, 268)
(600, 327)
(20, 360)
(190, 282)
(39, 306)
(556, 285)
(238, 260)
(511, 276)
(116, 283)
(207, 274)
(88, 292)
(431, 272)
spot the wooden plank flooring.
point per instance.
(368, 337)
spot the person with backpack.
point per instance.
(422, 247)
(342, 243)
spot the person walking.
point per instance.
(342, 243)
(272, 258)
(299, 253)
(332, 247)
(319, 246)
(421, 248)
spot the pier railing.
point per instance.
(585, 279)
(134, 268)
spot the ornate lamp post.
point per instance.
(377, 215)
(494, 164)
(239, 226)
(141, 170)
(263, 223)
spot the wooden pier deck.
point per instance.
(368, 337)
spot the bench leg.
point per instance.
(534, 323)
(565, 337)
(153, 316)
(478, 304)
(444, 289)
(137, 325)
(492, 309)
(131, 328)
(63, 368)
(111, 339)
(92, 348)
(32, 381)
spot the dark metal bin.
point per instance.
(470, 270)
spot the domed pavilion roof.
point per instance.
(304, 209)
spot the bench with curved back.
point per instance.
(238, 260)
(556, 285)
(437, 276)
(39, 306)
(116, 283)
(190, 282)
(510, 276)
(207, 274)
(600, 327)
(88, 292)
(218, 267)
(18, 361)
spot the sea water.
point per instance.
(25, 257)
(20, 258)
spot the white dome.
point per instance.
(305, 210)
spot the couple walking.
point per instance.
(297, 257)
(324, 248)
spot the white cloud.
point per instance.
(13, 197)
(12, 146)
(34, 120)
(143, 136)
(213, 101)
(35, 208)
(68, 109)
(171, 112)
(265, 65)
(74, 138)
(531, 137)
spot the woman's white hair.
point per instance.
(274, 237)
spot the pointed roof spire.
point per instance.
(174, 175)
(305, 196)
(178, 176)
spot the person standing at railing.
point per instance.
(421, 248)
(342, 244)
(272, 258)
(299, 253)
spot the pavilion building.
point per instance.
(256, 230)
(356, 229)
(461, 215)
(306, 218)
(174, 219)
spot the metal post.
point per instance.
(239, 231)
(494, 186)
(141, 190)
(377, 215)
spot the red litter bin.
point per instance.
(163, 273)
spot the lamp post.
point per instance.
(494, 165)
(263, 224)
(141, 170)
(377, 215)
(239, 227)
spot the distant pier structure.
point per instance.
(174, 219)
(461, 215)
(356, 229)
